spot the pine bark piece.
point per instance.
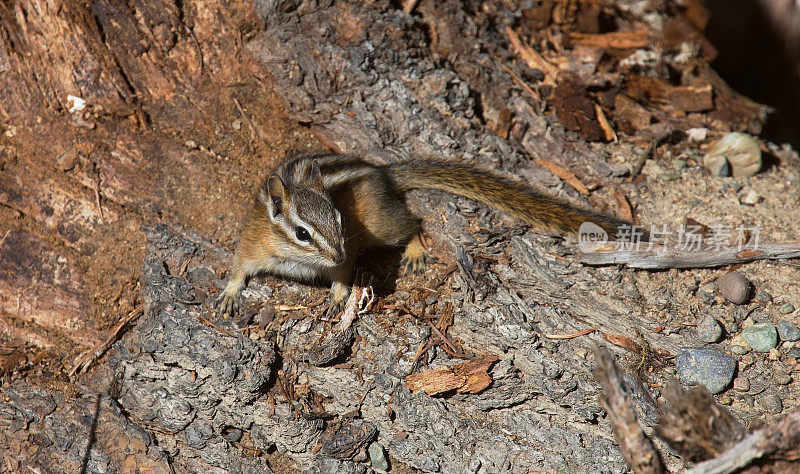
(465, 377)
(694, 424)
(692, 98)
(637, 449)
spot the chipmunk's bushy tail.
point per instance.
(515, 199)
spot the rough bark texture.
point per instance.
(179, 128)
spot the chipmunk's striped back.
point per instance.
(316, 211)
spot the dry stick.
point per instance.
(4, 236)
(660, 257)
(97, 199)
(253, 129)
(286, 393)
(571, 335)
(210, 324)
(521, 82)
(446, 343)
(634, 445)
(778, 439)
(100, 349)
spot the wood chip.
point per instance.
(533, 59)
(608, 130)
(622, 341)
(691, 98)
(617, 40)
(564, 174)
(467, 377)
(624, 207)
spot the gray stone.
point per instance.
(377, 457)
(705, 366)
(771, 403)
(709, 329)
(786, 308)
(742, 152)
(741, 384)
(735, 287)
(788, 331)
(794, 352)
(717, 165)
(761, 337)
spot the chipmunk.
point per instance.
(316, 211)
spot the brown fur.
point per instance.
(317, 188)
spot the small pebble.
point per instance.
(764, 296)
(774, 354)
(190, 144)
(795, 353)
(237, 124)
(697, 134)
(788, 331)
(761, 337)
(377, 457)
(668, 176)
(751, 198)
(717, 165)
(739, 345)
(67, 161)
(735, 287)
(739, 350)
(725, 400)
(786, 308)
(741, 384)
(709, 329)
(679, 165)
(771, 403)
(705, 366)
(742, 152)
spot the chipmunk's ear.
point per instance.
(274, 195)
(313, 176)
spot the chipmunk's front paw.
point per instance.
(416, 257)
(334, 308)
(228, 304)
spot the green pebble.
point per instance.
(761, 337)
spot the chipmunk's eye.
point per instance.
(302, 234)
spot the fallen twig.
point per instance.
(660, 257)
(87, 358)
